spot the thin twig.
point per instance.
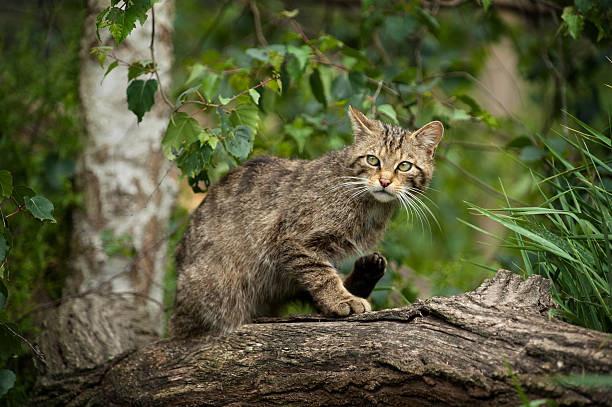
(152, 46)
(381, 49)
(257, 22)
(35, 349)
(378, 88)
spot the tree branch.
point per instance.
(442, 351)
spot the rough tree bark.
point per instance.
(123, 177)
(442, 351)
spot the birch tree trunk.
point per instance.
(127, 194)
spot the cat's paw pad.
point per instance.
(372, 266)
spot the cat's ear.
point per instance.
(362, 126)
(429, 136)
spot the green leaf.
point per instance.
(197, 72)
(4, 249)
(388, 111)
(246, 114)
(210, 84)
(289, 14)
(40, 207)
(583, 6)
(486, 4)
(299, 133)
(208, 138)
(259, 54)
(182, 131)
(326, 43)
(111, 67)
(239, 142)
(407, 76)
(185, 95)
(3, 290)
(122, 22)
(293, 69)
(341, 88)
(224, 100)
(357, 80)
(101, 58)
(7, 381)
(195, 159)
(141, 96)
(574, 22)
(254, 95)
(430, 21)
(531, 153)
(100, 21)
(459, 115)
(362, 60)
(138, 68)
(20, 192)
(301, 53)
(316, 85)
(6, 184)
(519, 142)
(224, 122)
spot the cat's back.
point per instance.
(256, 184)
(244, 200)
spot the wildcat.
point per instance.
(274, 228)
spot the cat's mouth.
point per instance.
(383, 195)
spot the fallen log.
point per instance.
(452, 351)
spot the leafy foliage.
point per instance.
(40, 208)
(121, 17)
(39, 140)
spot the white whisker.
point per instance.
(415, 196)
(420, 193)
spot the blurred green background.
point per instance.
(521, 67)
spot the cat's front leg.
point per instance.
(321, 280)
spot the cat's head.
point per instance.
(389, 161)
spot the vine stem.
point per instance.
(206, 105)
(19, 209)
(35, 349)
(152, 47)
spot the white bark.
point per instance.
(127, 189)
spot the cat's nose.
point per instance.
(385, 182)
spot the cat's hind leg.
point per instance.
(207, 303)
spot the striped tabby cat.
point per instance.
(273, 228)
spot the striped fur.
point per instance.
(273, 228)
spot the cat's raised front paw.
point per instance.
(372, 266)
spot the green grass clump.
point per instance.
(567, 238)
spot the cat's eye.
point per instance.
(404, 166)
(372, 160)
